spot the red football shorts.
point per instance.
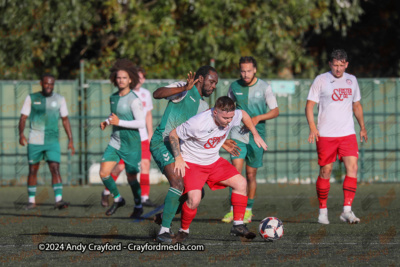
(329, 147)
(146, 149)
(198, 175)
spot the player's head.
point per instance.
(142, 77)
(248, 69)
(224, 111)
(124, 74)
(208, 79)
(47, 82)
(338, 62)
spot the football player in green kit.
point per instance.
(127, 116)
(252, 95)
(185, 101)
(44, 109)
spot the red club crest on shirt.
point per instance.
(349, 82)
(213, 142)
(341, 93)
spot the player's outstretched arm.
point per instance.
(137, 112)
(67, 128)
(247, 121)
(21, 128)
(358, 112)
(231, 147)
(273, 113)
(180, 164)
(164, 92)
(314, 134)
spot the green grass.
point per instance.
(375, 241)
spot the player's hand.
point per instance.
(260, 142)
(191, 81)
(22, 140)
(71, 147)
(363, 134)
(314, 134)
(180, 166)
(103, 125)
(231, 147)
(114, 120)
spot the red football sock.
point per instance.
(239, 203)
(323, 186)
(145, 184)
(349, 190)
(187, 216)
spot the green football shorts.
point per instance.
(250, 152)
(161, 152)
(131, 158)
(48, 152)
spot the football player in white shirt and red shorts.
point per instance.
(338, 97)
(201, 138)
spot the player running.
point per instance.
(145, 135)
(338, 96)
(252, 95)
(127, 116)
(44, 110)
(203, 136)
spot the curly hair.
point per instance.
(129, 67)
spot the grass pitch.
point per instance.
(374, 241)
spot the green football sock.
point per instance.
(58, 191)
(31, 191)
(110, 184)
(250, 203)
(171, 204)
(137, 192)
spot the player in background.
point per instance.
(338, 96)
(252, 95)
(44, 110)
(201, 138)
(127, 117)
(145, 135)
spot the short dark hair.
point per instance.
(203, 71)
(338, 54)
(248, 60)
(47, 75)
(129, 67)
(224, 103)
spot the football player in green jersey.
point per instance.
(44, 110)
(185, 101)
(252, 95)
(127, 116)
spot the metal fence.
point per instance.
(290, 158)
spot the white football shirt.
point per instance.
(335, 98)
(201, 138)
(147, 104)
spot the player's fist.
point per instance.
(114, 120)
(22, 140)
(103, 125)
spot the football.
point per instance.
(271, 229)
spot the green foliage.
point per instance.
(168, 38)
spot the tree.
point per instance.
(168, 38)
